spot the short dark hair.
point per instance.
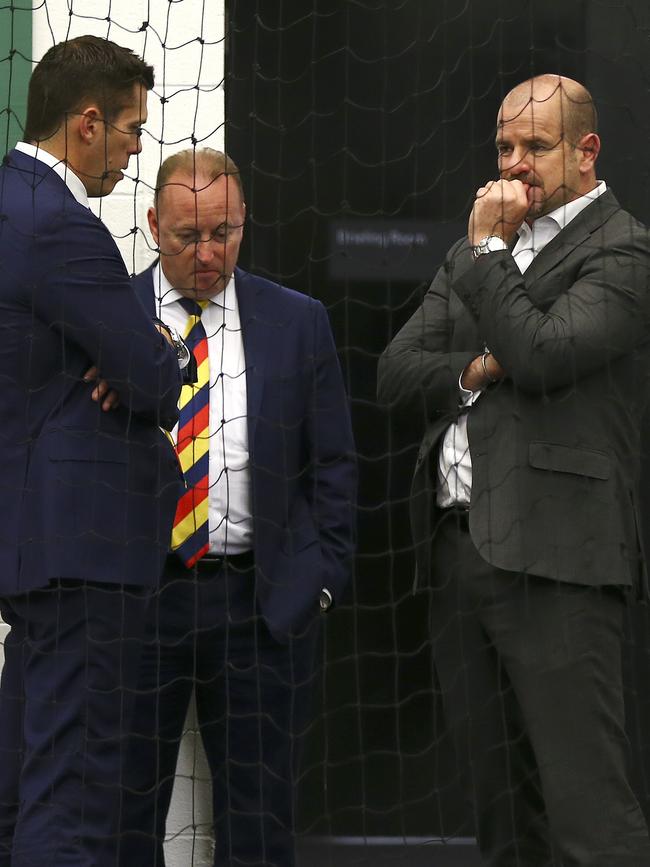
(73, 72)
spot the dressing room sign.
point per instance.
(388, 249)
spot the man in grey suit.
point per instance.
(526, 365)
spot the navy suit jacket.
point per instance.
(86, 494)
(302, 456)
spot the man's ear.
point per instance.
(152, 217)
(90, 123)
(589, 145)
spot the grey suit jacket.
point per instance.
(555, 445)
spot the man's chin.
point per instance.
(204, 289)
(536, 204)
(107, 185)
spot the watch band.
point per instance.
(489, 244)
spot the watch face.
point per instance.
(491, 244)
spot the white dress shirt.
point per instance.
(454, 460)
(229, 505)
(62, 169)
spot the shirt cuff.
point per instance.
(467, 397)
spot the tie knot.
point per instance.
(193, 308)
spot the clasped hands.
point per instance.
(499, 209)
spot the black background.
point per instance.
(340, 109)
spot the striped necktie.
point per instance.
(190, 537)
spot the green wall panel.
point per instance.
(15, 69)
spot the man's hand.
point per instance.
(499, 209)
(166, 333)
(480, 372)
(102, 392)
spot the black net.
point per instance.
(364, 134)
(362, 131)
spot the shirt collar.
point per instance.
(558, 219)
(63, 170)
(166, 294)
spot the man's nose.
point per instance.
(206, 249)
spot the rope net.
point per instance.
(361, 132)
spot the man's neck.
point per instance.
(42, 152)
(49, 146)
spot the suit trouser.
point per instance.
(252, 700)
(530, 671)
(71, 662)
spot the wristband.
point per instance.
(489, 378)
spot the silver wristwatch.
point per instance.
(489, 244)
(325, 599)
(180, 348)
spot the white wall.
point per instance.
(184, 41)
(189, 76)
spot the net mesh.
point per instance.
(362, 131)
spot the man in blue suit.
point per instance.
(88, 495)
(263, 538)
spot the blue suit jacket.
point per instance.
(302, 456)
(86, 494)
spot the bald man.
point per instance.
(526, 367)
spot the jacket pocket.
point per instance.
(566, 459)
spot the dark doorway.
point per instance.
(377, 113)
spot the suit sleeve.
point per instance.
(417, 373)
(332, 480)
(86, 295)
(602, 316)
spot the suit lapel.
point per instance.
(256, 334)
(143, 285)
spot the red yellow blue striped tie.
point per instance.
(190, 539)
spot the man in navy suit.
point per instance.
(88, 494)
(237, 619)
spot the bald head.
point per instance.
(546, 139)
(568, 99)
